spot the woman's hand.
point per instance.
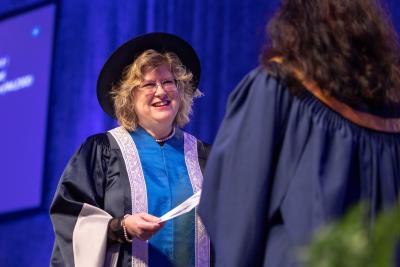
(142, 225)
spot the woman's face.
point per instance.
(156, 100)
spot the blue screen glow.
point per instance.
(25, 64)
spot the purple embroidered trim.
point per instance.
(202, 242)
(138, 189)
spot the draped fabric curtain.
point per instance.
(227, 34)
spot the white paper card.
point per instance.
(182, 208)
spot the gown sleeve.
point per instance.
(79, 221)
(237, 182)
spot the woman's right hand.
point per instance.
(142, 225)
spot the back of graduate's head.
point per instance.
(349, 47)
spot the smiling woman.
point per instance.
(113, 191)
(154, 77)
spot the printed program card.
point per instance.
(183, 208)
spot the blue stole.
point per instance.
(168, 185)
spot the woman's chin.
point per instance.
(164, 118)
(163, 113)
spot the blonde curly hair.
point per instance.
(122, 93)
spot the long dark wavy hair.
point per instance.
(348, 47)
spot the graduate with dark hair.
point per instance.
(311, 132)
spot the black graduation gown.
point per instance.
(96, 176)
(282, 166)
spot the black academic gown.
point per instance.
(282, 166)
(95, 179)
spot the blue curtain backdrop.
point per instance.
(227, 34)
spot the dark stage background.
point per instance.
(227, 34)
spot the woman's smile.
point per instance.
(161, 104)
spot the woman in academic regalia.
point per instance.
(116, 186)
(311, 132)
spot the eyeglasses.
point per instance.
(168, 85)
